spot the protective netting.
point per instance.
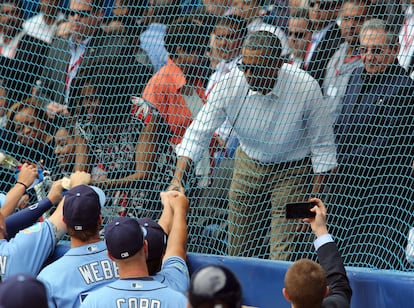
(113, 92)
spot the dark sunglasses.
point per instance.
(80, 13)
(298, 35)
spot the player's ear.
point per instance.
(326, 291)
(109, 256)
(146, 249)
(286, 295)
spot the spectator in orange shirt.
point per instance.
(176, 90)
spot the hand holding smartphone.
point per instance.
(299, 210)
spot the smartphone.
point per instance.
(299, 210)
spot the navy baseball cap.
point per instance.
(22, 291)
(82, 206)
(156, 238)
(124, 237)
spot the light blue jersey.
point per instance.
(174, 274)
(27, 251)
(141, 292)
(69, 279)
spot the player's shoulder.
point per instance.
(176, 263)
(174, 274)
(97, 297)
(33, 236)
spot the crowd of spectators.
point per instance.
(241, 114)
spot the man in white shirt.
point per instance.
(280, 117)
(79, 44)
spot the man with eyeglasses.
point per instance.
(326, 37)
(81, 40)
(373, 186)
(280, 118)
(299, 36)
(347, 57)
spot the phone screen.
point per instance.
(299, 210)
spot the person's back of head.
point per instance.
(157, 243)
(305, 284)
(82, 212)
(125, 242)
(214, 286)
(21, 291)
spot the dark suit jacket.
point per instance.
(375, 124)
(20, 73)
(100, 48)
(323, 53)
(340, 291)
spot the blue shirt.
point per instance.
(136, 292)
(81, 270)
(27, 251)
(174, 274)
(152, 41)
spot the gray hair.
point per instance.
(379, 24)
(265, 41)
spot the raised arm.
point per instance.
(329, 257)
(177, 239)
(29, 215)
(82, 159)
(28, 173)
(182, 168)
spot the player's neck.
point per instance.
(132, 271)
(74, 242)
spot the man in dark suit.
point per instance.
(326, 37)
(308, 284)
(80, 43)
(375, 136)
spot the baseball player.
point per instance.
(85, 266)
(27, 251)
(127, 246)
(215, 286)
(170, 269)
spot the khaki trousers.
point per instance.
(257, 197)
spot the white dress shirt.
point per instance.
(287, 124)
